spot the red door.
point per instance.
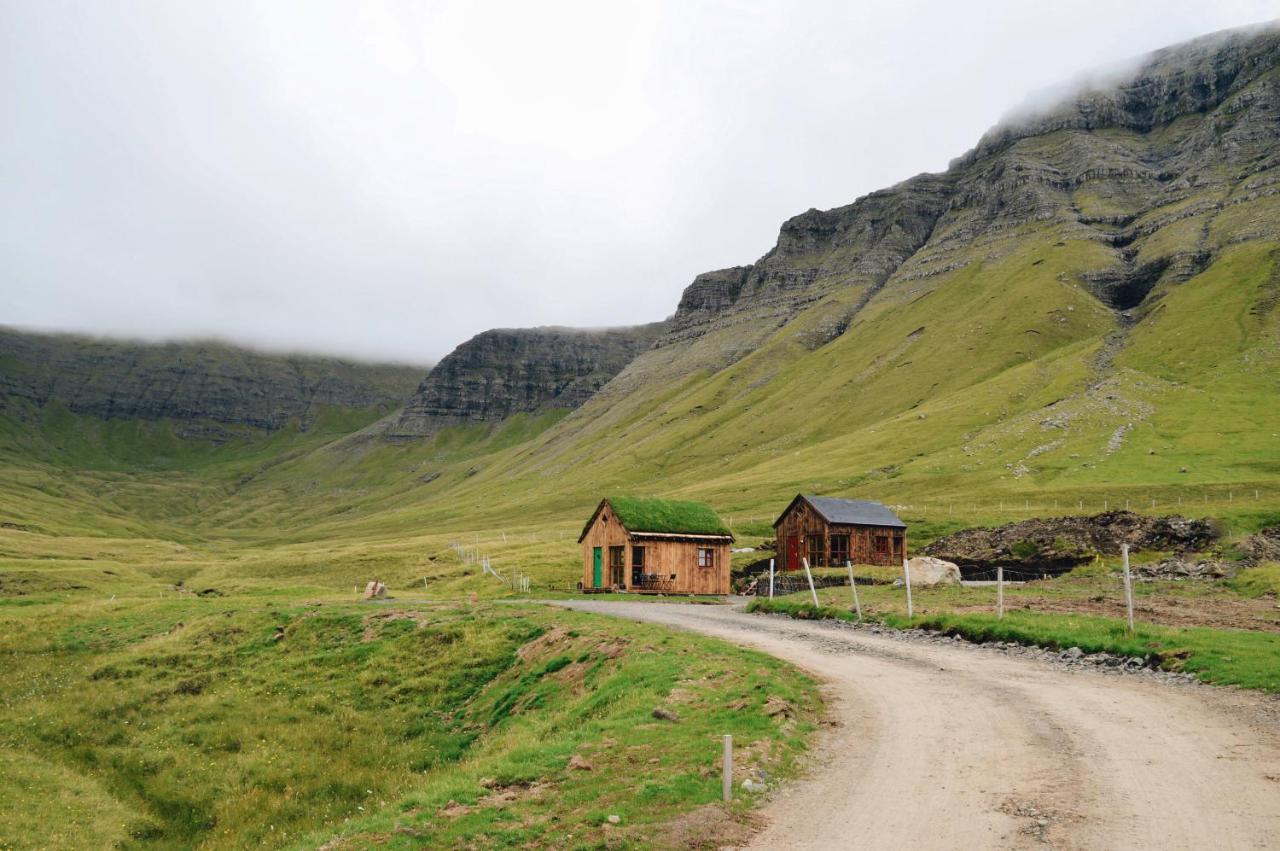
(792, 561)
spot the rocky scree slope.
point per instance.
(205, 381)
(510, 371)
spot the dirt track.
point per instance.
(961, 747)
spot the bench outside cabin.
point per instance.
(830, 531)
(657, 546)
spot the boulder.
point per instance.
(927, 572)
(375, 590)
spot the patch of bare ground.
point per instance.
(1221, 613)
(709, 826)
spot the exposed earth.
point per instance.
(937, 744)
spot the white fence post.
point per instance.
(999, 591)
(770, 579)
(906, 577)
(809, 575)
(726, 777)
(857, 606)
(1128, 586)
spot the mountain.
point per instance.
(1082, 308)
(508, 371)
(202, 381)
(1084, 301)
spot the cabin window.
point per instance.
(817, 555)
(839, 550)
(706, 557)
(615, 565)
(637, 557)
(882, 545)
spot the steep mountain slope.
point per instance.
(201, 381)
(1082, 308)
(509, 371)
(1085, 301)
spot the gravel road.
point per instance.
(951, 745)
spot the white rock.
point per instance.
(927, 572)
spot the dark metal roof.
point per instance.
(861, 512)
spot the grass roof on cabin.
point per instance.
(674, 516)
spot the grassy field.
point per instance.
(993, 389)
(273, 721)
(1225, 632)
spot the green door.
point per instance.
(597, 567)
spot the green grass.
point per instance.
(1222, 657)
(185, 722)
(650, 514)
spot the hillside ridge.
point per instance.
(201, 380)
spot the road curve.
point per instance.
(936, 746)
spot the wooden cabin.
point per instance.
(830, 531)
(656, 546)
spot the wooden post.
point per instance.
(770, 579)
(857, 606)
(999, 591)
(808, 574)
(1128, 586)
(726, 776)
(906, 577)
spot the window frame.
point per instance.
(706, 557)
(838, 560)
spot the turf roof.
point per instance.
(667, 515)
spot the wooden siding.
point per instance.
(812, 533)
(665, 557)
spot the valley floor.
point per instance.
(962, 747)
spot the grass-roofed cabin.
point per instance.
(655, 546)
(830, 531)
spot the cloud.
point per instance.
(386, 179)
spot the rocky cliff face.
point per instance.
(503, 372)
(190, 381)
(1196, 124)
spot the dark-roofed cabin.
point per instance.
(655, 546)
(830, 531)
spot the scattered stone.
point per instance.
(1072, 653)
(750, 785)
(1183, 567)
(663, 714)
(375, 590)
(577, 763)
(614, 819)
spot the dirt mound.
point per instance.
(1056, 544)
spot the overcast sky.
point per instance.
(386, 179)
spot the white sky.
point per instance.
(387, 179)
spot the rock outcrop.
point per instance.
(190, 381)
(508, 371)
(1116, 136)
(1063, 542)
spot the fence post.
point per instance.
(999, 591)
(808, 574)
(857, 606)
(770, 579)
(726, 776)
(906, 576)
(1128, 586)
